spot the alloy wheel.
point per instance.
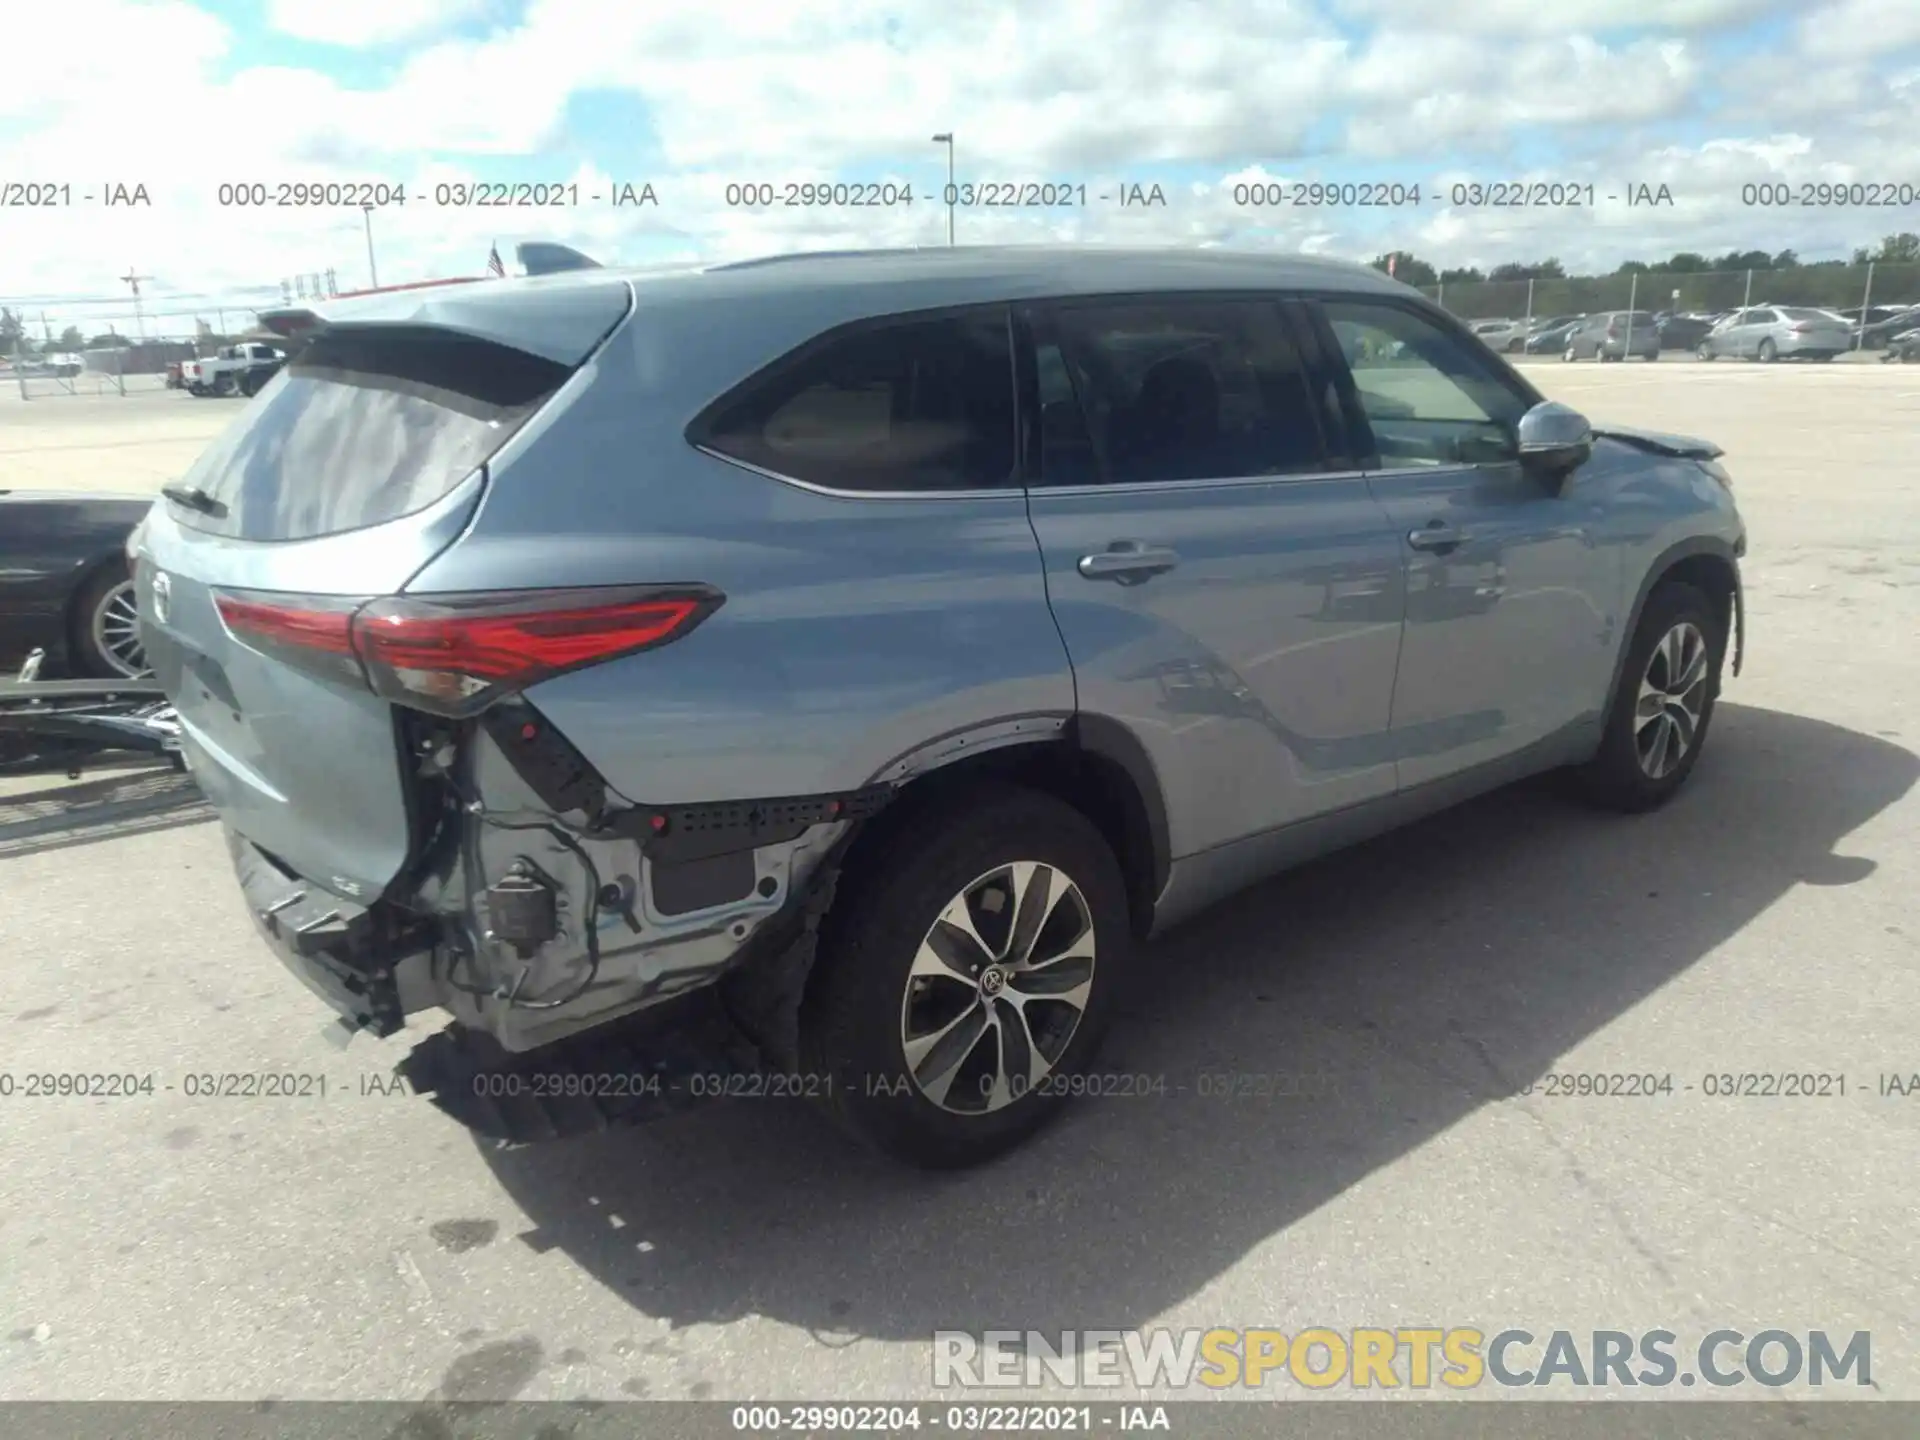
(116, 632)
(998, 988)
(1673, 695)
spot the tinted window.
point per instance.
(1174, 390)
(1798, 314)
(919, 405)
(1428, 398)
(366, 427)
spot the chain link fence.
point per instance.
(1820, 287)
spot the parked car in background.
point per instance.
(479, 655)
(1682, 332)
(64, 584)
(1875, 334)
(1613, 335)
(1550, 336)
(1507, 336)
(234, 370)
(1904, 347)
(1776, 332)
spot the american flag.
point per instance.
(494, 265)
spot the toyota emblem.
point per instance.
(162, 593)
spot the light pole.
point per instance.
(372, 269)
(952, 194)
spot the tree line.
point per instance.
(1410, 269)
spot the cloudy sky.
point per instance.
(1210, 100)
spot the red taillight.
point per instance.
(329, 631)
(456, 653)
(312, 632)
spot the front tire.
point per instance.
(1658, 721)
(967, 977)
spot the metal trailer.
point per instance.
(51, 725)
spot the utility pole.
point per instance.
(952, 194)
(139, 316)
(372, 269)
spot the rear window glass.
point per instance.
(909, 406)
(1799, 314)
(364, 428)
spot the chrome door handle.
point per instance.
(1128, 561)
(1439, 537)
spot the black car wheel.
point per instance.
(1658, 720)
(1767, 353)
(104, 628)
(1705, 352)
(965, 978)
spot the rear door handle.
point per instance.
(1438, 537)
(1130, 562)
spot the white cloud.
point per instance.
(1860, 28)
(78, 53)
(360, 23)
(1084, 90)
(1559, 17)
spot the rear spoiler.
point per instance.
(295, 326)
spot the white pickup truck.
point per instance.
(234, 370)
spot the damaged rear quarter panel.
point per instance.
(645, 954)
(853, 630)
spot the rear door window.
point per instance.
(1148, 391)
(903, 406)
(366, 426)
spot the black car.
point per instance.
(1881, 331)
(64, 583)
(1903, 347)
(1551, 336)
(1682, 332)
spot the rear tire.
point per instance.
(1704, 352)
(1767, 353)
(879, 990)
(1657, 723)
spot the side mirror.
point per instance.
(1553, 440)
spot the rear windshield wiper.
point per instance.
(194, 498)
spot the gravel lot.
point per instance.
(360, 1246)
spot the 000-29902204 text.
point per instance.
(893, 1418)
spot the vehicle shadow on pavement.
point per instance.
(1405, 984)
(118, 800)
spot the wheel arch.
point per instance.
(1711, 565)
(1092, 763)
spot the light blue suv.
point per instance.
(820, 675)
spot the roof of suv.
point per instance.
(563, 315)
(981, 272)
